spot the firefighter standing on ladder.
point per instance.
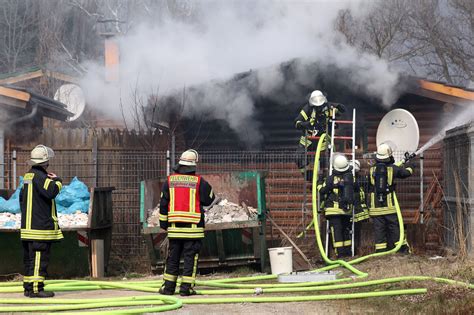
(183, 197)
(338, 192)
(313, 120)
(39, 222)
(381, 206)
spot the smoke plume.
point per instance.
(223, 38)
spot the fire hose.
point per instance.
(230, 286)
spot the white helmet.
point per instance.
(341, 164)
(384, 151)
(317, 98)
(189, 158)
(356, 165)
(41, 154)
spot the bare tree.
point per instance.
(431, 38)
(18, 20)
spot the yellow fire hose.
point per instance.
(231, 286)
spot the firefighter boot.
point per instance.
(404, 250)
(186, 291)
(168, 288)
(41, 294)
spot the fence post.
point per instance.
(422, 210)
(14, 168)
(2, 158)
(94, 161)
(168, 170)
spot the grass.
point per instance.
(440, 299)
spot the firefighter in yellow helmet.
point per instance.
(381, 203)
(39, 222)
(313, 120)
(338, 194)
(183, 197)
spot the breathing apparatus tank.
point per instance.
(381, 182)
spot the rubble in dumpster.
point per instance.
(222, 211)
(226, 211)
(73, 220)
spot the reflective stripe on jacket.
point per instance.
(332, 189)
(183, 197)
(377, 207)
(184, 205)
(39, 220)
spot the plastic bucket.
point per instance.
(281, 260)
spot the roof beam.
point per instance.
(22, 77)
(62, 77)
(448, 90)
(19, 95)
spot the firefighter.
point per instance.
(338, 192)
(381, 206)
(361, 211)
(313, 120)
(183, 197)
(39, 222)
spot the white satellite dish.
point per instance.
(399, 129)
(72, 96)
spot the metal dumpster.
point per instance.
(71, 256)
(225, 244)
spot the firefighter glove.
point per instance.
(341, 108)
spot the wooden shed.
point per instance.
(432, 103)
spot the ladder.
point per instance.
(352, 155)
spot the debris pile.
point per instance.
(13, 220)
(221, 211)
(226, 211)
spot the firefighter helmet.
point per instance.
(384, 151)
(41, 154)
(189, 158)
(341, 164)
(317, 98)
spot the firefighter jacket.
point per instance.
(183, 197)
(361, 211)
(39, 221)
(384, 205)
(338, 193)
(318, 118)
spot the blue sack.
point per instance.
(73, 197)
(12, 205)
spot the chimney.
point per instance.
(112, 59)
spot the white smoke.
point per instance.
(465, 116)
(229, 37)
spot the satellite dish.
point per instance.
(399, 129)
(72, 96)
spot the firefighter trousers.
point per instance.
(35, 260)
(387, 233)
(340, 229)
(189, 249)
